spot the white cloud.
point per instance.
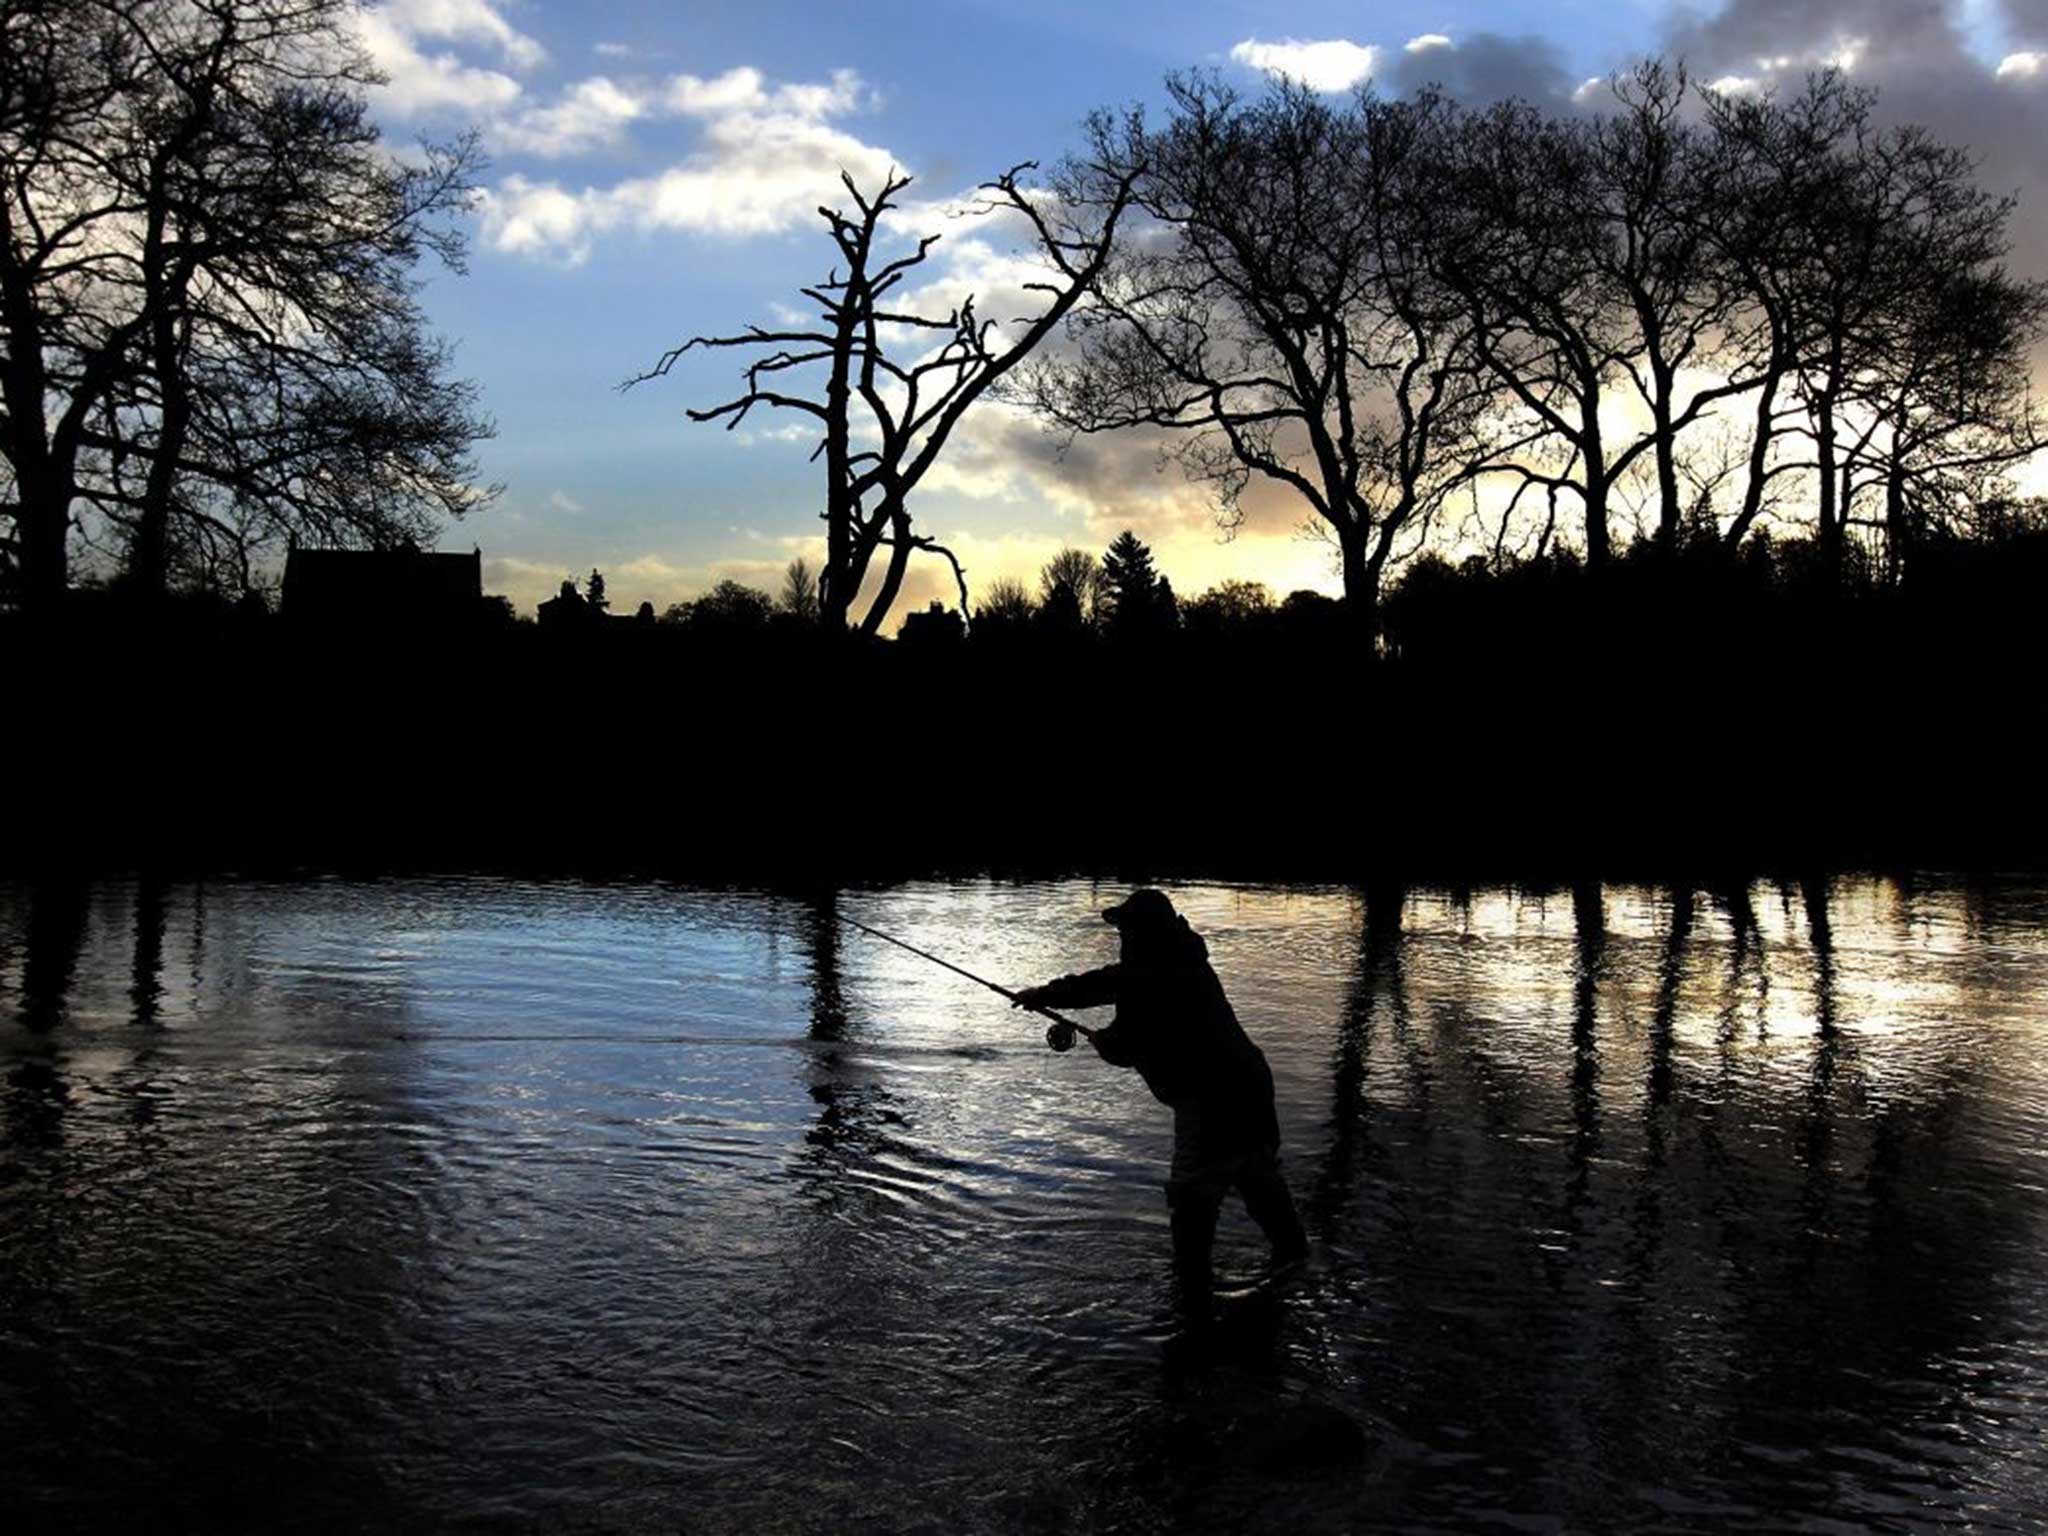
(1588, 88)
(593, 113)
(562, 501)
(768, 157)
(612, 50)
(744, 90)
(1735, 85)
(734, 91)
(419, 81)
(1424, 43)
(1333, 64)
(466, 21)
(2023, 65)
(530, 218)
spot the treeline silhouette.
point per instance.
(1679, 711)
(1665, 450)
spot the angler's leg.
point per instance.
(1193, 1210)
(1268, 1202)
(1194, 1197)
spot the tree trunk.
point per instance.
(1759, 461)
(43, 523)
(1897, 533)
(1829, 512)
(1668, 510)
(1361, 588)
(1599, 546)
(149, 555)
(892, 577)
(42, 493)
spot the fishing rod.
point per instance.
(1057, 1018)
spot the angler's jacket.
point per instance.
(1175, 1026)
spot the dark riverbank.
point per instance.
(257, 748)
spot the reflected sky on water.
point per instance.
(340, 1205)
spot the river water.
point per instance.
(487, 1205)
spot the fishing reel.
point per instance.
(1060, 1036)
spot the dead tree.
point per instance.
(907, 404)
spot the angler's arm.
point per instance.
(1090, 989)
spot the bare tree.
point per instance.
(1278, 317)
(908, 404)
(1768, 163)
(1935, 394)
(1006, 609)
(1872, 258)
(1657, 210)
(205, 280)
(1589, 255)
(1070, 587)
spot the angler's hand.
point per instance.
(1027, 997)
(1060, 1037)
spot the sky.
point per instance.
(654, 172)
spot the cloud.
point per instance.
(1919, 57)
(744, 90)
(419, 82)
(1424, 43)
(1765, 37)
(1485, 68)
(467, 21)
(1333, 64)
(612, 50)
(593, 113)
(767, 157)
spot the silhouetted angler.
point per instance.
(1175, 1026)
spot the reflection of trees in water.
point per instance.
(57, 912)
(853, 1105)
(266, 1261)
(1795, 1249)
(1748, 969)
(1589, 930)
(38, 1095)
(1645, 1236)
(1376, 980)
(1865, 1242)
(146, 975)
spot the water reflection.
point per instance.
(1589, 932)
(152, 916)
(854, 1108)
(1377, 989)
(344, 1205)
(57, 913)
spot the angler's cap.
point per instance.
(1141, 909)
